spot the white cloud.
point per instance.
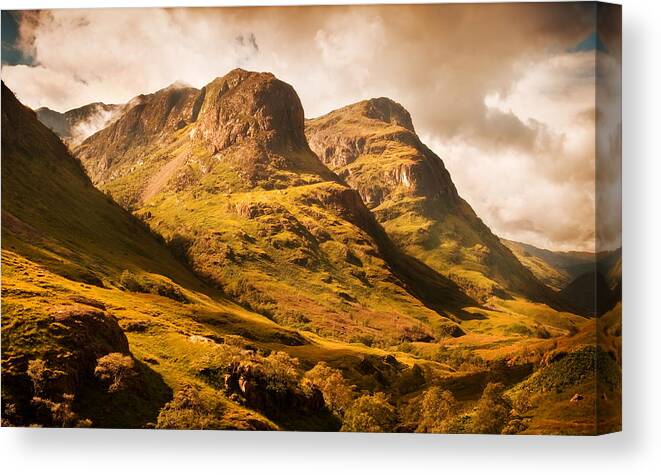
(545, 194)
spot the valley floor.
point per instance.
(535, 353)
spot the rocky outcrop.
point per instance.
(389, 111)
(251, 386)
(247, 106)
(253, 120)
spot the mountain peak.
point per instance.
(245, 105)
(387, 110)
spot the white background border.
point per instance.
(636, 450)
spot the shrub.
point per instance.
(58, 414)
(337, 393)
(38, 374)
(370, 414)
(492, 412)
(116, 370)
(188, 410)
(281, 371)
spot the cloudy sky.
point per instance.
(503, 93)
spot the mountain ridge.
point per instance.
(75, 125)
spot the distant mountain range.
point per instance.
(593, 282)
(76, 125)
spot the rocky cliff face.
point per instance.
(251, 121)
(380, 133)
(373, 146)
(35, 384)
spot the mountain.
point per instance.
(372, 145)
(591, 293)
(555, 269)
(226, 175)
(576, 274)
(89, 294)
(558, 268)
(75, 125)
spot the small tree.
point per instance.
(337, 393)
(436, 408)
(492, 411)
(370, 414)
(116, 370)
